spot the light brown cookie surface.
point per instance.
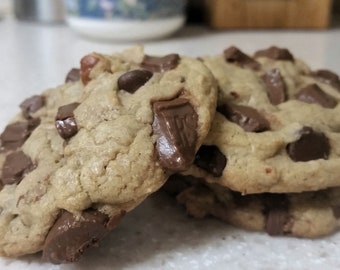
(139, 119)
(277, 128)
(30, 154)
(306, 214)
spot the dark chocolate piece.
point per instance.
(312, 93)
(73, 75)
(132, 80)
(31, 105)
(65, 122)
(234, 55)
(276, 211)
(33, 123)
(246, 117)
(15, 167)
(211, 159)
(175, 123)
(276, 87)
(87, 63)
(160, 64)
(70, 236)
(327, 76)
(275, 53)
(311, 145)
(16, 134)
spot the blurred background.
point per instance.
(41, 42)
(111, 19)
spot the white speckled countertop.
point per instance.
(158, 235)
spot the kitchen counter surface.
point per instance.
(158, 235)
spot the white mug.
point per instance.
(126, 19)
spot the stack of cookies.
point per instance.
(271, 159)
(249, 140)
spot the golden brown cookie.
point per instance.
(139, 119)
(277, 128)
(307, 214)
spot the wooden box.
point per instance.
(269, 13)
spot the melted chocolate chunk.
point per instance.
(73, 75)
(275, 53)
(276, 211)
(211, 159)
(87, 63)
(327, 76)
(131, 81)
(70, 236)
(15, 167)
(276, 87)
(160, 64)
(246, 117)
(31, 105)
(312, 93)
(65, 122)
(311, 145)
(17, 133)
(175, 123)
(234, 55)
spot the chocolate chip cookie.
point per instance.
(277, 127)
(31, 151)
(307, 214)
(68, 182)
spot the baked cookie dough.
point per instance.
(139, 119)
(307, 214)
(277, 128)
(30, 152)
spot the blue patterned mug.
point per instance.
(126, 19)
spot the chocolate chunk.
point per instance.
(246, 117)
(160, 64)
(73, 75)
(17, 133)
(234, 55)
(87, 63)
(275, 53)
(312, 93)
(211, 159)
(14, 135)
(15, 167)
(70, 236)
(275, 221)
(327, 76)
(276, 87)
(311, 145)
(175, 123)
(65, 122)
(113, 221)
(132, 80)
(31, 105)
(276, 211)
(33, 123)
